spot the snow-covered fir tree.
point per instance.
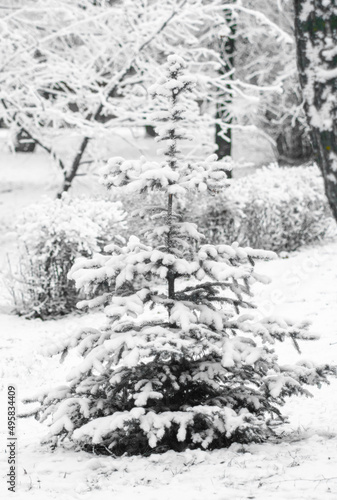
(182, 362)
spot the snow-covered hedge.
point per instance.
(277, 208)
(50, 235)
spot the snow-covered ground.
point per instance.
(301, 465)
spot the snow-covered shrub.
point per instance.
(186, 363)
(50, 235)
(276, 208)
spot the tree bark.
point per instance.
(224, 147)
(24, 143)
(293, 144)
(227, 55)
(316, 40)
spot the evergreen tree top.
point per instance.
(176, 114)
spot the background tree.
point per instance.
(316, 35)
(81, 70)
(85, 67)
(223, 117)
(265, 71)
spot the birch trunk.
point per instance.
(316, 39)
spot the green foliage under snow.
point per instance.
(276, 208)
(50, 235)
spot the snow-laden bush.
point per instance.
(184, 363)
(50, 235)
(276, 208)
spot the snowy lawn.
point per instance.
(301, 465)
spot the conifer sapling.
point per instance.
(182, 362)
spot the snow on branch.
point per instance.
(263, 19)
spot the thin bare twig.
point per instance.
(109, 93)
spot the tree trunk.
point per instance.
(224, 147)
(316, 38)
(24, 143)
(150, 131)
(293, 144)
(227, 55)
